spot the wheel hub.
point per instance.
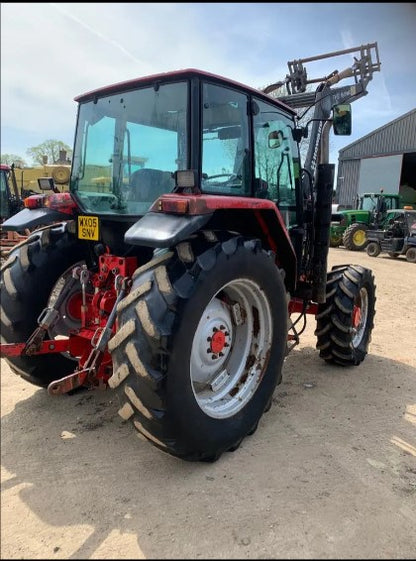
(359, 237)
(356, 317)
(359, 317)
(73, 306)
(218, 341)
(213, 340)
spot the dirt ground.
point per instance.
(330, 472)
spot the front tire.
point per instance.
(346, 320)
(200, 345)
(335, 240)
(411, 255)
(373, 249)
(355, 237)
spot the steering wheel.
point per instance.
(230, 177)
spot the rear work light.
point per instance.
(34, 201)
(185, 179)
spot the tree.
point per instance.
(10, 159)
(51, 149)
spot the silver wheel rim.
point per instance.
(362, 303)
(230, 348)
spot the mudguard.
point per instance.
(30, 218)
(157, 229)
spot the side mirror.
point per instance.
(275, 139)
(341, 119)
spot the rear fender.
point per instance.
(267, 225)
(258, 218)
(31, 218)
(157, 229)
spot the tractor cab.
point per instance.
(218, 137)
(378, 202)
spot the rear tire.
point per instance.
(411, 255)
(355, 237)
(27, 279)
(200, 345)
(346, 320)
(373, 249)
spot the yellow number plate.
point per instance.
(88, 228)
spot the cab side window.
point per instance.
(276, 159)
(225, 141)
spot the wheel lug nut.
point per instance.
(214, 357)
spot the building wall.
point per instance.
(395, 138)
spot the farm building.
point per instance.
(383, 159)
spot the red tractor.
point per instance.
(11, 202)
(191, 244)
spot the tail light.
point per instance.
(61, 202)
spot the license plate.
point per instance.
(88, 228)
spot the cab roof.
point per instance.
(395, 195)
(176, 75)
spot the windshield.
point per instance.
(381, 203)
(368, 203)
(127, 147)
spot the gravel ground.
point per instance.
(330, 472)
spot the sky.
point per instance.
(52, 52)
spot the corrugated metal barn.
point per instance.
(383, 159)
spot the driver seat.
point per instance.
(147, 184)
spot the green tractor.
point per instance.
(349, 227)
